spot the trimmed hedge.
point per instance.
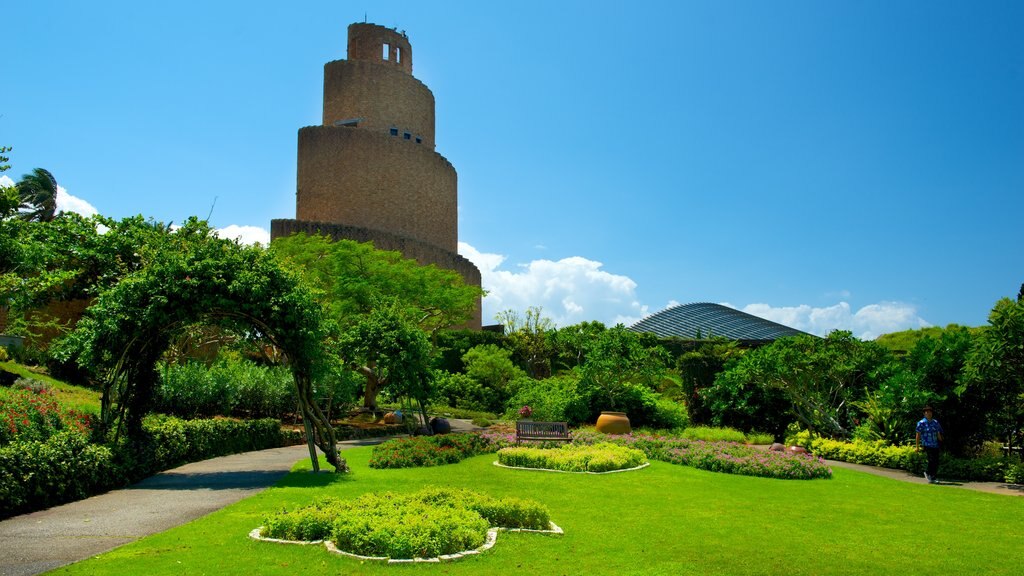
(603, 457)
(427, 523)
(66, 467)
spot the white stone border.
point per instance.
(499, 465)
(492, 538)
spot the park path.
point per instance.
(902, 475)
(47, 539)
(40, 541)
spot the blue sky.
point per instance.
(855, 165)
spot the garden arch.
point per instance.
(194, 277)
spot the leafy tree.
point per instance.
(996, 367)
(819, 377)
(938, 363)
(493, 369)
(9, 198)
(698, 368)
(38, 196)
(387, 348)
(366, 289)
(355, 277)
(67, 258)
(619, 368)
(572, 342)
(529, 338)
(192, 276)
(451, 345)
(738, 399)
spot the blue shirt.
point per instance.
(929, 431)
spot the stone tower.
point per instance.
(370, 172)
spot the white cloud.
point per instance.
(68, 203)
(245, 234)
(65, 201)
(867, 323)
(569, 290)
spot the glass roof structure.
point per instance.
(704, 320)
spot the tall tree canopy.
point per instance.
(995, 366)
(191, 276)
(38, 195)
(376, 297)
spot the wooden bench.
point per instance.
(555, 431)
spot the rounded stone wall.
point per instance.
(384, 99)
(360, 178)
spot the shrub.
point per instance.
(4, 356)
(876, 453)
(669, 415)
(602, 457)
(879, 453)
(760, 438)
(428, 450)
(710, 434)
(170, 441)
(31, 384)
(65, 467)
(556, 399)
(235, 387)
(309, 523)
(428, 523)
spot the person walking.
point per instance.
(929, 434)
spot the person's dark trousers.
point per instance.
(933, 461)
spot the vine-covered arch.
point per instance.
(191, 276)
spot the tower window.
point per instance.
(394, 131)
(387, 50)
(398, 54)
(407, 136)
(419, 140)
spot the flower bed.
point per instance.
(429, 450)
(729, 457)
(603, 457)
(27, 415)
(430, 523)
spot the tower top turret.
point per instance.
(373, 43)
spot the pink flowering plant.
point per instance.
(525, 412)
(728, 457)
(436, 450)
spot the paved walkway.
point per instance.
(990, 487)
(44, 540)
(40, 541)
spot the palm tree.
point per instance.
(38, 192)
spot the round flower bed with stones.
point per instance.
(430, 525)
(595, 458)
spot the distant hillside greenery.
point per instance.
(903, 342)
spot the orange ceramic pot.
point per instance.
(613, 423)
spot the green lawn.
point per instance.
(77, 397)
(664, 519)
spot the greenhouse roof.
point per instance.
(705, 320)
